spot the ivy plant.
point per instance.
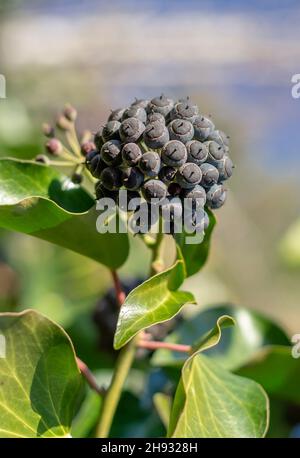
(219, 376)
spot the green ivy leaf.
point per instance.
(277, 371)
(163, 404)
(154, 301)
(195, 255)
(36, 200)
(211, 402)
(239, 343)
(39, 378)
(88, 415)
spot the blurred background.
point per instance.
(236, 60)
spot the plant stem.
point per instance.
(113, 394)
(154, 345)
(156, 261)
(89, 377)
(120, 295)
(126, 355)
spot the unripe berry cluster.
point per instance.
(159, 149)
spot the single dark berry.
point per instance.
(196, 194)
(111, 152)
(135, 111)
(203, 127)
(210, 175)
(215, 151)
(131, 154)
(140, 103)
(220, 137)
(167, 174)
(188, 175)
(152, 117)
(94, 163)
(111, 130)
(76, 178)
(225, 167)
(161, 104)
(196, 152)
(181, 130)
(174, 153)
(98, 139)
(150, 163)
(54, 147)
(132, 178)
(156, 134)
(111, 178)
(116, 115)
(154, 189)
(174, 189)
(216, 196)
(185, 110)
(42, 159)
(87, 147)
(131, 130)
(102, 192)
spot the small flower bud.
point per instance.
(48, 130)
(42, 159)
(87, 147)
(54, 147)
(63, 123)
(77, 178)
(70, 113)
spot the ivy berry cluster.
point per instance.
(160, 149)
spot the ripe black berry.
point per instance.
(116, 115)
(154, 189)
(184, 110)
(161, 104)
(111, 178)
(181, 130)
(197, 152)
(135, 111)
(216, 196)
(174, 153)
(94, 163)
(174, 189)
(203, 127)
(98, 139)
(131, 130)
(210, 175)
(189, 175)
(110, 152)
(111, 130)
(220, 137)
(215, 151)
(131, 154)
(225, 167)
(140, 103)
(152, 117)
(149, 163)
(156, 134)
(167, 174)
(196, 194)
(132, 178)
(102, 192)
